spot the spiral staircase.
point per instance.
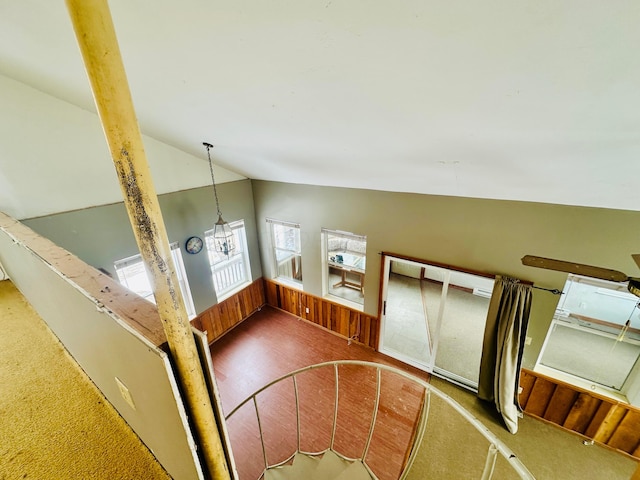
(327, 466)
(301, 459)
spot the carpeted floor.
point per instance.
(55, 423)
(547, 451)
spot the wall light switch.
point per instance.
(527, 341)
(306, 309)
(126, 394)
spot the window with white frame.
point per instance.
(345, 260)
(595, 333)
(230, 272)
(132, 274)
(286, 250)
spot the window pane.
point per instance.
(586, 354)
(286, 237)
(229, 272)
(133, 275)
(346, 265)
(216, 257)
(595, 334)
(286, 251)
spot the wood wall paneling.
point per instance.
(340, 319)
(625, 436)
(581, 413)
(560, 404)
(526, 384)
(610, 423)
(349, 323)
(223, 316)
(606, 421)
(540, 397)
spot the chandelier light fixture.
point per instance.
(223, 237)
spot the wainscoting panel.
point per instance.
(596, 417)
(343, 320)
(225, 315)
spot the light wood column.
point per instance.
(99, 46)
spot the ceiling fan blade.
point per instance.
(577, 268)
(636, 258)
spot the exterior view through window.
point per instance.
(595, 334)
(133, 275)
(286, 250)
(230, 273)
(345, 265)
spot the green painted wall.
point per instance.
(102, 235)
(484, 235)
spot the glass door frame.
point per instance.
(430, 368)
(384, 286)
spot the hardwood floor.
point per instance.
(272, 343)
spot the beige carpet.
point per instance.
(55, 424)
(547, 451)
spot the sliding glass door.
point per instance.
(406, 329)
(434, 317)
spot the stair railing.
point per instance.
(496, 446)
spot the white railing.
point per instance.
(496, 447)
(229, 274)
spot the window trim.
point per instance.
(181, 274)
(326, 290)
(241, 250)
(559, 318)
(274, 249)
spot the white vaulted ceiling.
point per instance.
(520, 100)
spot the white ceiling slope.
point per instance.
(521, 100)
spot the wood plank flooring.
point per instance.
(272, 343)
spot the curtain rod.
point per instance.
(555, 291)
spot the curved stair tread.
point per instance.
(329, 466)
(300, 468)
(355, 471)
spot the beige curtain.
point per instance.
(503, 345)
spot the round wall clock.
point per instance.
(193, 245)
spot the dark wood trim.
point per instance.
(445, 265)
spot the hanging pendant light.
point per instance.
(223, 237)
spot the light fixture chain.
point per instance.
(213, 180)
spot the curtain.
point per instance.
(503, 345)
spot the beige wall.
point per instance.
(102, 235)
(485, 235)
(106, 347)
